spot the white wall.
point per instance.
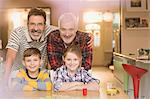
(136, 38)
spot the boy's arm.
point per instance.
(89, 86)
(41, 85)
(66, 86)
(89, 82)
(18, 84)
(59, 81)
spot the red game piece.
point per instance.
(84, 91)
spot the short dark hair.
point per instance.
(31, 51)
(37, 12)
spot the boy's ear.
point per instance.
(63, 58)
(41, 62)
(23, 62)
(81, 58)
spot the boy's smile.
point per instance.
(32, 63)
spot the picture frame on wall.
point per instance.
(132, 22)
(136, 23)
(136, 5)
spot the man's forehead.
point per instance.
(39, 17)
(67, 25)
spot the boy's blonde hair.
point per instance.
(73, 49)
(31, 51)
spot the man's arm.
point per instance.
(10, 57)
(91, 42)
(87, 52)
(54, 51)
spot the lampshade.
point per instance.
(92, 17)
(108, 16)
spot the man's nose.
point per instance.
(36, 27)
(67, 33)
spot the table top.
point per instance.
(60, 95)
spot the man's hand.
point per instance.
(91, 42)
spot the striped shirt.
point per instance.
(20, 40)
(62, 75)
(24, 82)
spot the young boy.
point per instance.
(31, 76)
(71, 76)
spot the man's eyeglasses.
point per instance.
(36, 24)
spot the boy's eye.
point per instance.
(68, 59)
(28, 60)
(35, 60)
(75, 59)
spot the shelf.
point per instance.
(140, 28)
(140, 11)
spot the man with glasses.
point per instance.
(21, 38)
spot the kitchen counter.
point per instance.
(133, 57)
(120, 73)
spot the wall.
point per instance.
(137, 38)
(3, 27)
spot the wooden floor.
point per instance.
(102, 73)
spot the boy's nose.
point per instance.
(32, 62)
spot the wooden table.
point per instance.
(61, 95)
(49, 95)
